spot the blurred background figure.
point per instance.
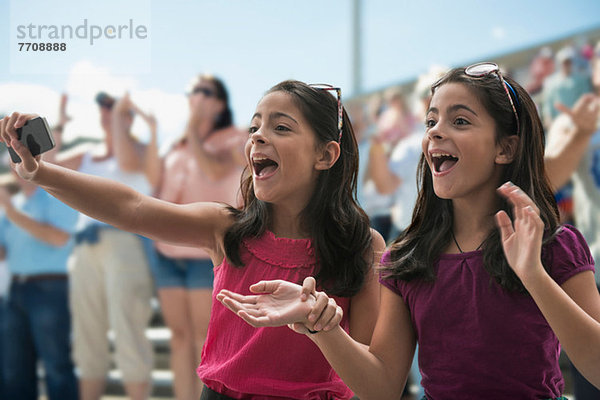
(36, 240)
(573, 155)
(111, 286)
(540, 68)
(204, 164)
(565, 86)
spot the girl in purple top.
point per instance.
(299, 218)
(448, 280)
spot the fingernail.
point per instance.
(317, 327)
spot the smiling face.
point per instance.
(460, 144)
(282, 152)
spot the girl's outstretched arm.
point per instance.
(199, 224)
(576, 330)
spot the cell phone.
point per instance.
(35, 134)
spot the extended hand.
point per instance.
(521, 240)
(29, 164)
(284, 303)
(279, 305)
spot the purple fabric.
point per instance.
(477, 340)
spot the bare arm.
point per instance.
(364, 307)
(41, 231)
(573, 310)
(577, 331)
(563, 157)
(197, 224)
(128, 151)
(378, 372)
(152, 161)
(385, 180)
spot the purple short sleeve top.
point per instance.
(477, 340)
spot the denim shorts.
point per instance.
(189, 273)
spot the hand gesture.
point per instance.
(283, 303)
(279, 304)
(29, 165)
(584, 113)
(124, 105)
(521, 238)
(63, 118)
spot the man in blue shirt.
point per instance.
(35, 238)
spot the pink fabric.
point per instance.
(266, 363)
(184, 182)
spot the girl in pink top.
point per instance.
(449, 280)
(299, 218)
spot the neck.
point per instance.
(286, 223)
(473, 220)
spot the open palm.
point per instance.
(522, 237)
(279, 304)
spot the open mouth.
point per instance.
(443, 161)
(263, 166)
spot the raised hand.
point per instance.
(63, 117)
(29, 164)
(522, 237)
(584, 113)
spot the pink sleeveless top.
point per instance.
(266, 363)
(185, 182)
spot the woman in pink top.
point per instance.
(205, 164)
(449, 280)
(299, 218)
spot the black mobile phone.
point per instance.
(35, 134)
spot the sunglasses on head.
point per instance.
(338, 92)
(486, 68)
(204, 90)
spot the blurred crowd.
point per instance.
(66, 280)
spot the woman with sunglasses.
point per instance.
(449, 280)
(299, 218)
(203, 165)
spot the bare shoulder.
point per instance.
(377, 245)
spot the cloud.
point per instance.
(498, 33)
(84, 81)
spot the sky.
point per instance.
(251, 45)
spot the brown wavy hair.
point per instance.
(415, 251)
(337, 225)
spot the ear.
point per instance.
(328, 155)
(507, 150)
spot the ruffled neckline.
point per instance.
(281, 251)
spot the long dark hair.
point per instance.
(414, 252)
(338, 227)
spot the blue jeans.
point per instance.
(37, 325)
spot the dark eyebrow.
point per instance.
(453, 108)
(278, 114)
(274, 115)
